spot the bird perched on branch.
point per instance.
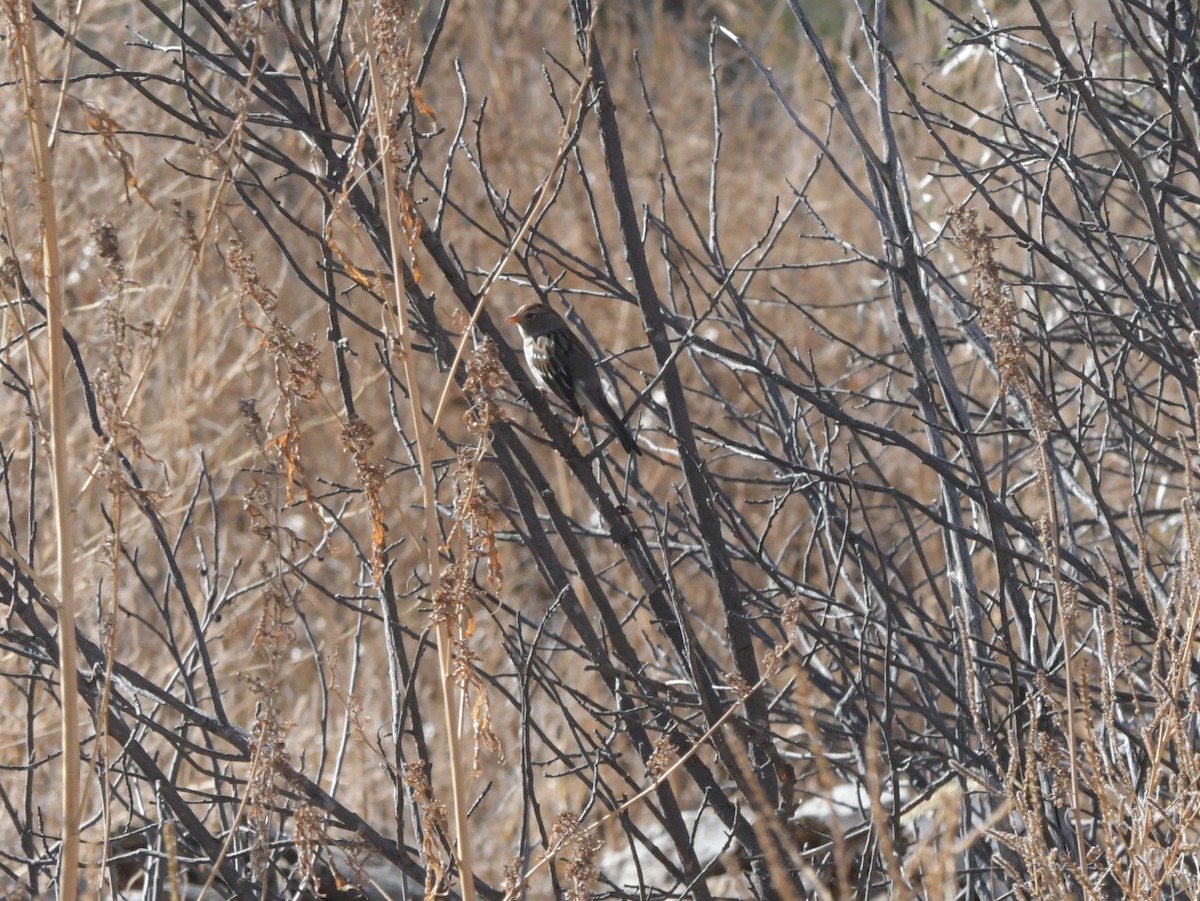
(562, 365)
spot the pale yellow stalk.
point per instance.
(64, 511)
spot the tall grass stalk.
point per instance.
(21, 15)
(425, 437)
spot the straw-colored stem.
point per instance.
(424, 440)
(1065, 616)
(63, 498)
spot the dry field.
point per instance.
(899, 599)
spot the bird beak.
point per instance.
(514, 318)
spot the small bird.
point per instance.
(562, 365)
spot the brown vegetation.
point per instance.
(900, 599)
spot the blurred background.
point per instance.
(899, 599)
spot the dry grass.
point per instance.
(917, 619)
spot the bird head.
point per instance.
(535, 318)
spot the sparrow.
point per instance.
(562, 365)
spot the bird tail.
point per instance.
(619, 429)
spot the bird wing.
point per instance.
(551, 354)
